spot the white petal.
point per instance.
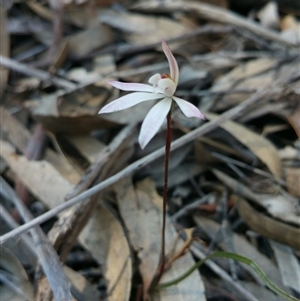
(188, 109)
(174, 70)
(167, 86)
(154, 120)
(131, 86)
(128, 101)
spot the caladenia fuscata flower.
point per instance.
(163, 87)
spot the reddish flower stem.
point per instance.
(165, 192)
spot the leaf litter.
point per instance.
(55, 60)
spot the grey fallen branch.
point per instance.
(40, 74)
(44, 249)
(277, 87)
(25, 241)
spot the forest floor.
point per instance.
(81, 201)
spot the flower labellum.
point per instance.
(163, 87)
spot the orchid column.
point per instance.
(163, 89)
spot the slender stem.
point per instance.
(165, 192)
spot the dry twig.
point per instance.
(47, 255)
(40, 74)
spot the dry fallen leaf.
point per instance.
(259, 145)
(19, 136)
(292, 176)
(290, 27)
(143, 29)
(278, 205)
(253, 74)
(288, 265)
(104, 237)
(16, 274)
(43, 177)
(86, 41)
(142, 217)
(269, 16)
(74, 112)
(281, 207)
(82, 287)
(294, 120)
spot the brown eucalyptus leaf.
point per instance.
(288, 265)
(279, 206)
(43, 177)
(88, 146)
(253, 74)
(19, 136)
(290, 27)
(142, 217)
(143, 29)
(80, 286)
(86, 41)
(292, 177)
(269, 16)
(74, 112)
(259, 145)
(104, 237)
(10, 264)
(269, 227)
(294, 120)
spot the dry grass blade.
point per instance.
(268, 91)
(47, 255)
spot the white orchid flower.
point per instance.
(163, 87)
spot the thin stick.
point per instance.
(190, 207)
(40, 74)
(278, 86)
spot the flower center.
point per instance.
(164, 83)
